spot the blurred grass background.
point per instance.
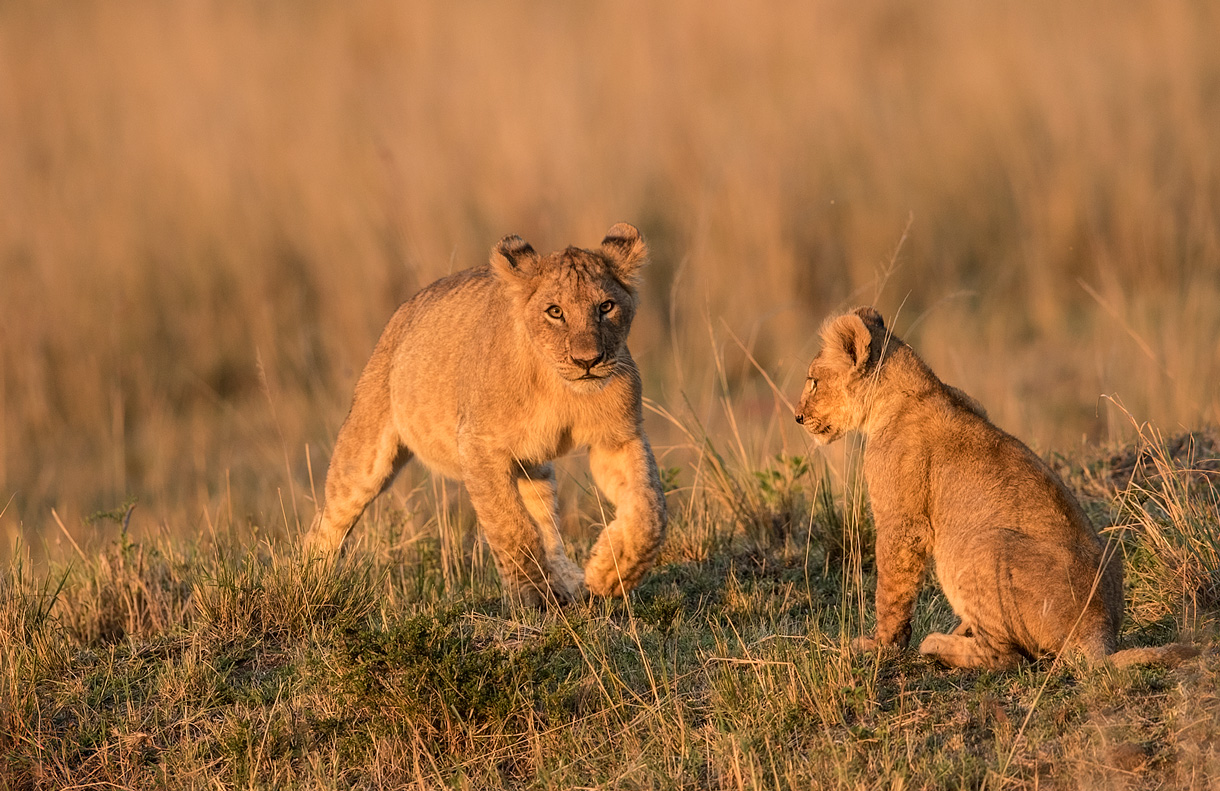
(208, 209)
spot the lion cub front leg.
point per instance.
(901, 560)
(629, 545)
(538, 493)
(521, 559)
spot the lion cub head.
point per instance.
(840, 384)
(576, 305)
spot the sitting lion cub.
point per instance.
(489, 374)
(1014, 553)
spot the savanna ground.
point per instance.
(209, 209)
(204, 664)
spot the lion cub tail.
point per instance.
(1170, 655)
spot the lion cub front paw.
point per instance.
(623, 552)
(568, 581)
(563, 584)
(867, 644)
(864, 644)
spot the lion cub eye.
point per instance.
(813, 385)
(607, 306)
(555, 312)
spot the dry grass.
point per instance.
(209, 210)
(166, 665)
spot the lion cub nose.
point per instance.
(800, 418)
(588, 362)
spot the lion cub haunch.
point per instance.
(1014, 553)
(489, 374)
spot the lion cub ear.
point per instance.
(846, 340)
(514, 260)
(871, 318)
(624, 248)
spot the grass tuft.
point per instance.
(283, 599)
(1171, 503)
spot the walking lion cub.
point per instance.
(1014, 553)
(489, 374)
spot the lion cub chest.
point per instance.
(552, 427)
(528, 431)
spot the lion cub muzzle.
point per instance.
(587, 363)
(818, 430)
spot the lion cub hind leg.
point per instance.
(538, 493)
(359, 471)
(955, 650)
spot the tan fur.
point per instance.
(1014, 553)
(488, 375)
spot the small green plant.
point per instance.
(669, 478)
(120, 515)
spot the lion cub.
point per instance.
(1014, 553)
(489, 374)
